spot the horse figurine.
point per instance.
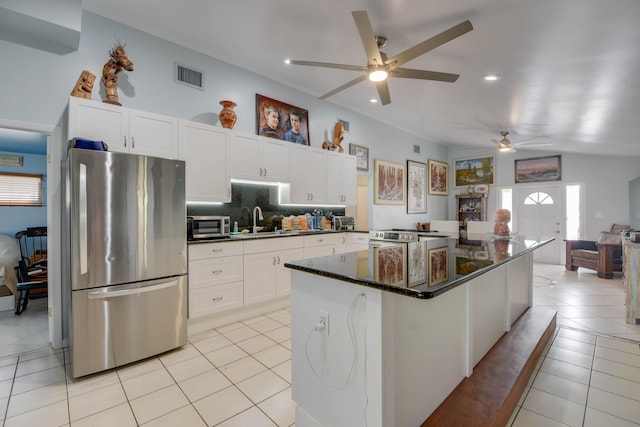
(111, 69)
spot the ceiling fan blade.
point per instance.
(383, 92)
(429, 44)
(408, 73)
(328, 65)
(526, 141)
(344, 86)
(367, 36)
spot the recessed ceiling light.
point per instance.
(287, 61)
(492, 77)
(373, 100)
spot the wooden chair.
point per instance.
(31, 270)
(604, 255)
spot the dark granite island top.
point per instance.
(423, 269)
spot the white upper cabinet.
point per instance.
(341, 179)
(308, 176)
(123, 129)
(258, 158)
(204, 150)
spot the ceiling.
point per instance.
(570, 68)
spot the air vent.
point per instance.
(345, 125)
(416, 149)
(189, 76)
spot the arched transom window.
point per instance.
(538, 198)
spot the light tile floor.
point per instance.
(240, 374)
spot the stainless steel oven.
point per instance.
(208, 227)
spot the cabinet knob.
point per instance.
(274, 260)
(265, 171)
(124, 138)
(278, 259)
(216, 250)
(133, 142)
(216, 299)
(216, 271)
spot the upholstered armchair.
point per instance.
(603, 255)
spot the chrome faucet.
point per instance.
(260, 217)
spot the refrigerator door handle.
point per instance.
(135, 291)
(82, 218)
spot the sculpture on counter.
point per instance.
(338, 136)
(111, 69)
(84, 85)
(501, 219)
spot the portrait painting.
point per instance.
(389, 183)
(416, 187)
(477, 170)
(279, 120)
(438, 265)
(438, 178)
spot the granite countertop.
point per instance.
(404, 268)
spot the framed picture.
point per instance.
(416, 263)
(276, 119)
(389, 183)
(389, 265)
(362, 156)
(438, 178)
(416, 187)
(476, 170)
(538, 169)
(438, 265)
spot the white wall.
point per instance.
(38, 83)
(605, 180)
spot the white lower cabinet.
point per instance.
(265, 276)
(215, 277)
(319, 245)
(357, 242)
(340, 243)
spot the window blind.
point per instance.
(20, 189)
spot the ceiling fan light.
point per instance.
(504, 148)
(492, 77)
(378, 75)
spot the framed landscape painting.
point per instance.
(389, 183)
(416, 187)
(538, 169)
(276, 119)
(389, 265)
(438, 178)
(476, 170)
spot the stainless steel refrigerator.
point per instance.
(128, 257)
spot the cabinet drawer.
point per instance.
(359, 238)
(214, 271)
(319, 240)
(213, 299)
(214, 250)
(272, 244)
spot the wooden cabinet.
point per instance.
(258, 158)
(471, 207)
(631, 270)
(215, 277)
(319, 245)
(204, 150)
(308, 176)
(265, 276)
(123, 129)
(341, 179)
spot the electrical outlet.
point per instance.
(324, 319)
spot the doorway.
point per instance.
(50, 306)
(540, 212)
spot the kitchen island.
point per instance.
(381, 337)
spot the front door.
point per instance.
(540, 214)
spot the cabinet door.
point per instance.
(334, 178)
(341, 243)
(153, 134)
(99, 122)
(349, 180)
(244, 157)
(275, 159)
(259, 277)
(204, 149)
(308, 175)
(283, 274)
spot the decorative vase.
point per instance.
(227, 116)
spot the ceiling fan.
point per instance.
(379, 67)
(505, 144)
